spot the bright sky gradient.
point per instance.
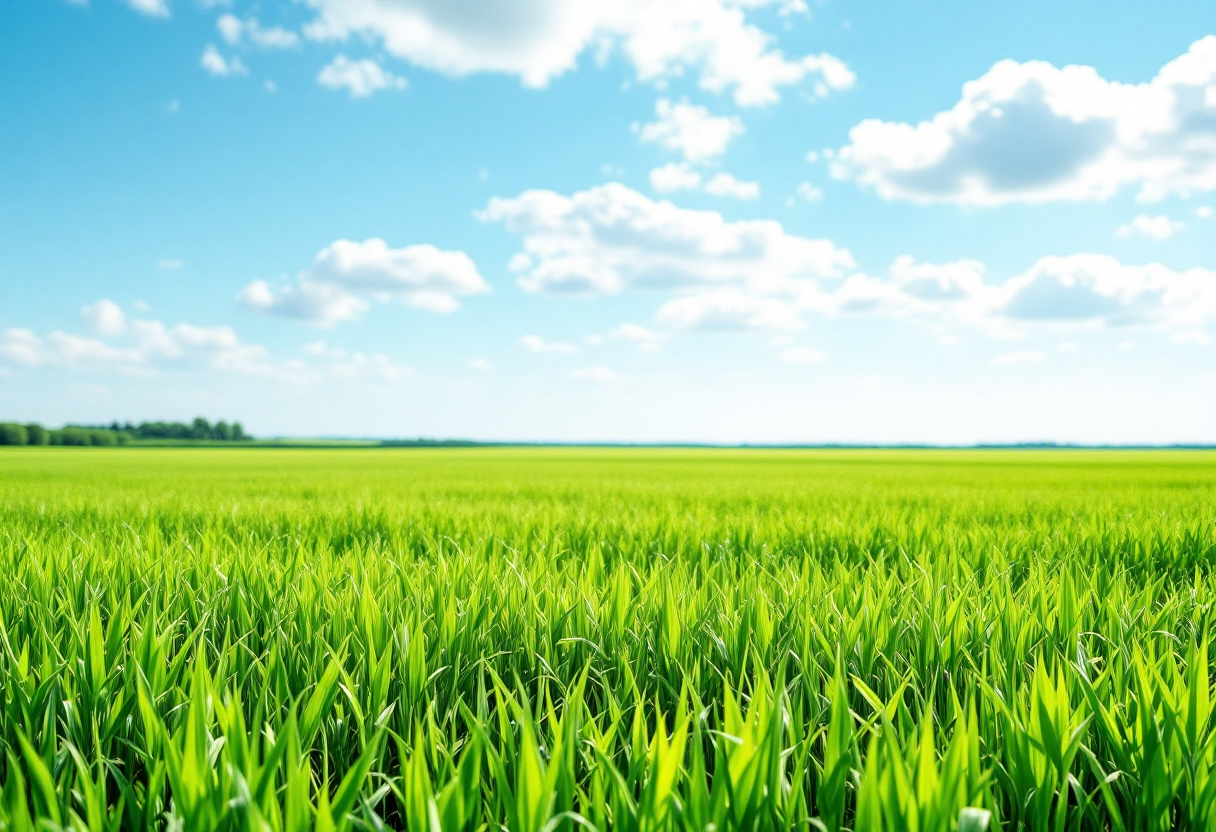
(701, 220)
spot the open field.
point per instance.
(614, 639)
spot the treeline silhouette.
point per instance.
(122, 433)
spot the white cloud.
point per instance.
(955, 291)
(610, 239)
(345, 273)
(149, 344)
(1098, 289)
(169, 264)
(728, 309)
(593, 374)
(321, 304)
(1154, 227)
(217, 64)
(723, 184)
(802, 355)
(61, 349)
(691, 130)
(1032, 132)
(105, 317)
(536, 344)
(643, 338)
(479, 364)
(809, 192)
(151, 347)
(1078, 290)
(343, 365)
(152, 8)
(678, 176)
(1019, 357)
(718, 274)
(234, 30)
(1205, 212)
(540, 40)
(674, 176)
(359, 78)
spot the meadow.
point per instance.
(608, 639)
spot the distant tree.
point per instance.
(38, 435)
(102, 436)
(11, 434)
(238, 432)
(222, 431)
(201, 429)
(71, 435)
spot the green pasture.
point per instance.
(612, 639)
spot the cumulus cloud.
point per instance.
(610, 239)
(723, 184)
(148, 344)
(679, 176)
(1078, 290)
(536, 344)
(690, 130)
(674, 176)
(1098, 289)
(954, 290)
(322, 304)
(539, 40)
(235, 31)
(359, 78)
(1154, 227)
(809, 192)
(1205, 212)
(62, 349)
(104, 317)
(1032, 132)
(169, 264)
(218, 65)
(345, 274)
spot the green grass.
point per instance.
(562, 639)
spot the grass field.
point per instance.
(557, 639)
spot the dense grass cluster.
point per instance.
(618, 640)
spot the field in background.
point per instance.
(609, 638)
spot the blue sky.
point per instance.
(707, 220)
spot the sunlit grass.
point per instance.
(618, 639)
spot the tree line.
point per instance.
(122, 433)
